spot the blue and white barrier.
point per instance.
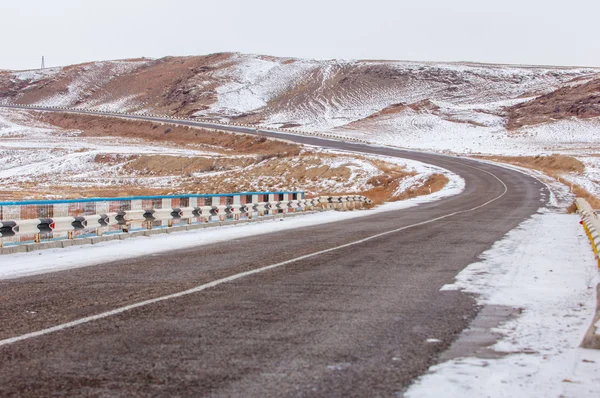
(123, 221)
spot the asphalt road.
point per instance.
(347, 322)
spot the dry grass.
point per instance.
(217, 141)
(391, 169)
(384, 192)
(433, 184)
(553, 166)
(572, 208)
(274, 174)
(306, 173)
(67, 192)
(579, 101)
(384, 185)
(582, 193)
(165, 165)
(389, 110)
(549, 165)
(274, 164)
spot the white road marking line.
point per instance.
(237, 276)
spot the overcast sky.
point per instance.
(545, 32)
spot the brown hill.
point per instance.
(582, 101)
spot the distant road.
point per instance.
(346, 311)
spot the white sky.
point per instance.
(502, 31)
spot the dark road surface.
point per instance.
(349, 322)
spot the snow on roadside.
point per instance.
(49, 156)
(590, 180)
(560, 195)
(362, 169)
(546, 268)
(119, 105)
(423, 172)
(13, 123)
(23, 264)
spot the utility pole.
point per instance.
(43, 66)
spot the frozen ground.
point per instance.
(429, 131)
(579, 138)
(546, 269)
(35, 153)
(590, 180)
(38, 157)
(22, 264)
(442, 107)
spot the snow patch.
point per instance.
(544, 267)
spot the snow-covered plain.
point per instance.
(469, 134)
(45, 156)
(361, 166)
(434, 132)
(34, 153)
(546, 269)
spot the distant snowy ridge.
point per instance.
(314, 95)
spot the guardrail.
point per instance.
(591, 224)
(99, 216)
(194, 119)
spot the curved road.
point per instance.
(345, 311)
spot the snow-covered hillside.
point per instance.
(313, 95)
(320, 95)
